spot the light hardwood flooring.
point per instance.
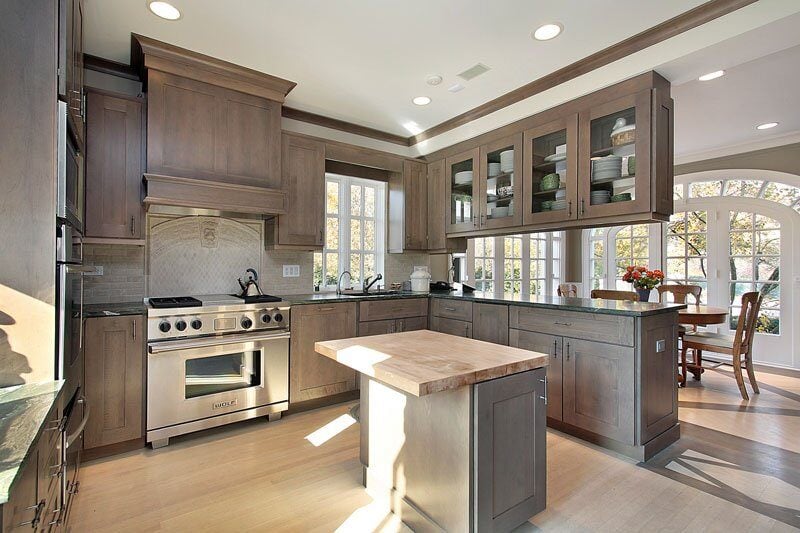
(736, 468)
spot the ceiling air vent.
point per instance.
(473, 72)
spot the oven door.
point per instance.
(193, 379)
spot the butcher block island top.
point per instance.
(424, 362)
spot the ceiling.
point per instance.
(363, 61)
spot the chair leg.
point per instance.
(684, 372)
(698, 363)
(737, 372)
(748, 361)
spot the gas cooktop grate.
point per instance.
(174, 301)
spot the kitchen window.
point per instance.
(515, 264)
(355, 229)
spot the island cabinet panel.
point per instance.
(490, 323)
(204, 131)
(552, 346)
(598, 388)
(450, 326)
(599, 327)
(114, 368)
(658, 403)
(114, 166)
(510, 481)
(303, 225)
(312, 375)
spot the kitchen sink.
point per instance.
(361, 294)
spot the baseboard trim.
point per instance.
(641, 452)
(316, 403)
(112, 449)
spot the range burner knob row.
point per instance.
(164, 326)
(196, 324)
(278, 317)
(180, 325)
(266, 319)
(247, 323)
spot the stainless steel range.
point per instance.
(213, 360)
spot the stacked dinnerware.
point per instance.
(494, 169)
(561, 194)
(600, 197)
(609, 167)
(462, 178)
(507, 161)
(558, 205)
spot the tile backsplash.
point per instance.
(123, 273)
(398, 267)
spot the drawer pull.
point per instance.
(326, 308)
(567, 324)
(545, 390)
(449, 308)
(555, 349)
(567, 351)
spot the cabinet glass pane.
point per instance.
(613, 152)
(463, 192)
(548, 189)
(500, 183)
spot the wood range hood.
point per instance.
(213, 131)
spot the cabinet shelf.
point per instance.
(500, 176)
(610, 180)
(610, 149)
(548, 193)
(463, 189)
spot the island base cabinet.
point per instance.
(451, 326)
(598, 388)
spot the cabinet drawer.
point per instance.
(376, 327)
(590, 326)
(447, 308)
(391, 309)
(452, 326)
(412, 324)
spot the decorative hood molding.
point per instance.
(213, 195)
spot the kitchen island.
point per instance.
(452, 429)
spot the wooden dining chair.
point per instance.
(737, 346)
(680, 295)
(567, 290)
(615, 295)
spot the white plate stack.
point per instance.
(463, 178)
(561, 194)
(600, 197)
(558, 205)
(609, 167)
(507, 161)
(494, 169)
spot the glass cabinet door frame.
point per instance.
(569, 123)
(514, 141)
(641, 102)
(472, 224)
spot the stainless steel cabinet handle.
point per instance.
(545, 390)
(483, 220)
(77, 433)
(567, 351)
(563, 323)
(134, 329)
(569, 212)
(35, 520)
(582, 207)
(133, 221)
(188, 344)
(555, 348)
(449, 308)
(326, 308)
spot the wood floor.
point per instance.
(736, 468)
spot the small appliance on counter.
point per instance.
(420, 279)
(441, 286)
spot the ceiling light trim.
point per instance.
(164, 10)
(712, 75)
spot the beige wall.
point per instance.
(781, 158)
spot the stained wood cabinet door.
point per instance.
(598, 388)
(437, 212)
(376, 327)
(199, 130)
(553, 347)
(114, 368)
(500, 190)
(490, 323)
(463, 191)
(114, 166)
(415, 186)
(311, 374)
(71, 60)
(451, 326)
(21, 508)
(303, 225)
(412, 324)
(510, 481)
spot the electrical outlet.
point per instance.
(291, 271)
(661, 345)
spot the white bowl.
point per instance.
(494, 169)
(463, 177)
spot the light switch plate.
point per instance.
(291, 271)
(661, 345)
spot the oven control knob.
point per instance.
(196, 324)
(164, 326)
(266, 319)
(180, 325)
(278, 317)
(247, 323)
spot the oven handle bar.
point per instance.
(170, 346)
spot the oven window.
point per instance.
(221, 373)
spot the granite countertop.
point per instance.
(23, 411)
(585, 305)
(424, 362)
(114, 309)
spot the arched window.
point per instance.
(612, 250)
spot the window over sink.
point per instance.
(355, 231)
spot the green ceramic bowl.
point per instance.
(550, 182)
(547, 205)
(624, 197)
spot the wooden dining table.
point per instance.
(700, 315)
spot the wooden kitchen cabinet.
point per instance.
(70, 80)
(312, 375)
(22, 511)
(490, 323)
(553, 346)
(451, 326)
(598, 388)
(500, 183)
(378, 317)
(303, 225)
(114, 379)
(114, 166)
(437, 212)
(408, 208)
(204, 131)
(461, 175)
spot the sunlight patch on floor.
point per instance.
(375, 516)
(330, 430)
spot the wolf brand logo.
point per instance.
(222, 405)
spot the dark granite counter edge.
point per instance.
(113, 309)
(566, 304)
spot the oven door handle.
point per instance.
(171, 346)
(86, 410)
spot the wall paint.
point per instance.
(781, 158)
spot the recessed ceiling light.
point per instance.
(766, 125)
(547, 31)
(165, 10)
(712, 75)
(421, 100)
(434, 80)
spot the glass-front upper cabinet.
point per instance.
(463, 191)
(550, 168)
(501, 183)
(614, 168)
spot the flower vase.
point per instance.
(644, 294)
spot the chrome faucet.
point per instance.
(368, 283)
(339, 283)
